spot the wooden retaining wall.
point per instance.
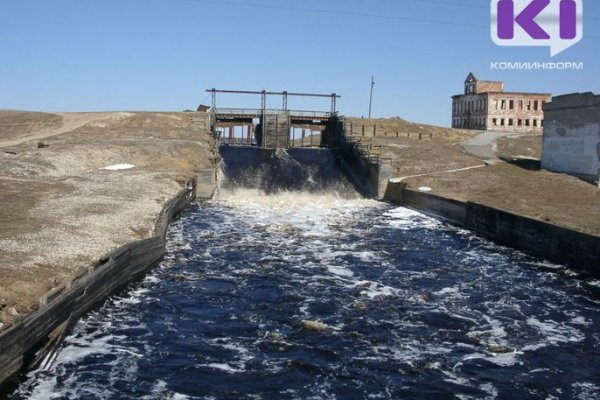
(61, 307)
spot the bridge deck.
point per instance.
(233, 113)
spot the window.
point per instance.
(520, 104)
(511, 105)
(496, 104)
(495, 122)
(510, 122)
(526, 122)
(520, 122)
(535, 105)
(503, 105)
(535, 122)
(529, 105)
(502, 122)
(541, 122)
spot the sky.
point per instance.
(161, 55)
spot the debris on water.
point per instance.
(187, 278)
(425, 189)
(500, 349)
(273, 336)
(315, 326)
(433, 365)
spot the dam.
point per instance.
(289, 284)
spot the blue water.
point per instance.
(297, 296)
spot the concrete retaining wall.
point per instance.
(369, 174)
(572, 135)
(62, 306)
(538, 238)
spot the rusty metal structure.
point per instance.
(268, 127)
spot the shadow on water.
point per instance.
(272, 171)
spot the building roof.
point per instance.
(504, 93)
(473, 78)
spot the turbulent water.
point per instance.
(297, 296)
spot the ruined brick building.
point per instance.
(486, 106)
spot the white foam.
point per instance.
(406, 219)
(587, 390)
(503, 360)
(448, 290)
(223, 367)
(340, 271)
(374, 290)
(553, 333)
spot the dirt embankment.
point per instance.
(515, 184)
(61, 210)
(529, 146)
(414, 148)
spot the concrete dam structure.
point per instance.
(266, 127)
(273, 130)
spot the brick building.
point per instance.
(486, 106)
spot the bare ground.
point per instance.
(60, 211)
(517, 186)
(528, 146)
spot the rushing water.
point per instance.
(298, 296)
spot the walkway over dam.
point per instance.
(268, 127)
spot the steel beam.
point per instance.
(273, 93)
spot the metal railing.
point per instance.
(258, 112)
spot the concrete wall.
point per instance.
(572, 135)
(538, 238)
(369, 175)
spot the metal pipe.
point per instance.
(273, 93)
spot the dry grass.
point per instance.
(60, 211)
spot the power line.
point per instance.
(366, 15)
(467, 5)
(338, 12)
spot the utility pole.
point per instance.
(371, 98)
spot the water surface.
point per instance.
(312, 296)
